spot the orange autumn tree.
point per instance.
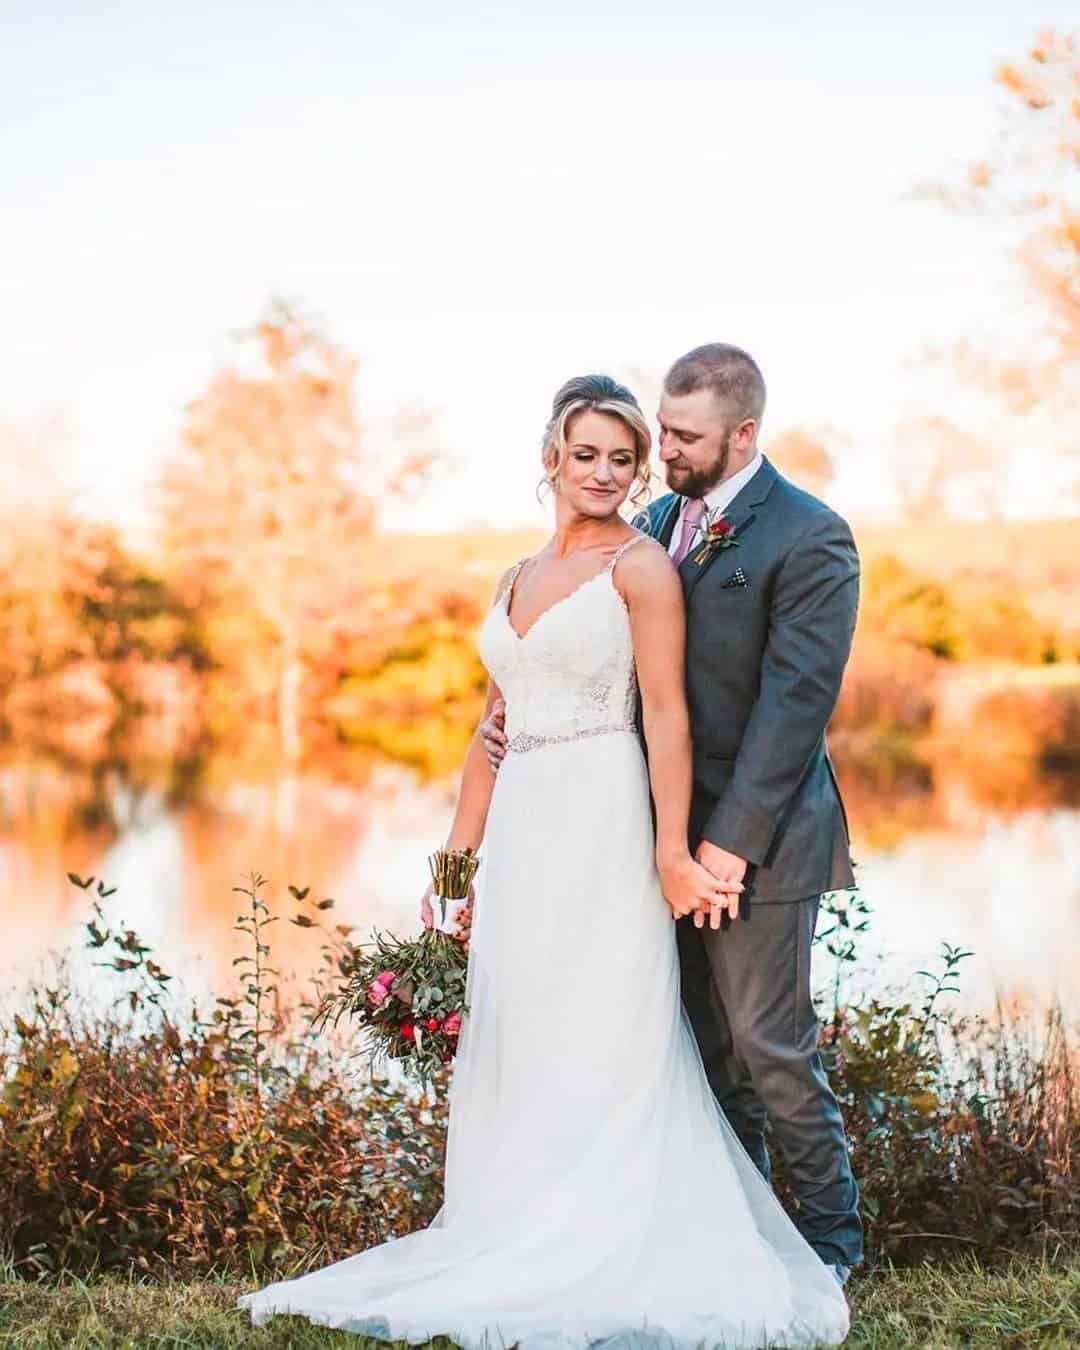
(805, 457)
(92, 642)
(1028, 186)
(268, 503)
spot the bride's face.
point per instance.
(598, 468)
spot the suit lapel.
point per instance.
(662, 516)
(741, 513)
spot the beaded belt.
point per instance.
(524, 740)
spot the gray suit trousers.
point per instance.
(746, 991)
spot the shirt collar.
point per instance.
(719, 498)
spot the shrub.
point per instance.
(130, 1140)
(965, 1130)
(137, 1138)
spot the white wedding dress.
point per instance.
(594, 1190)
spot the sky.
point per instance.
(482, 204)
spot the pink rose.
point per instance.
(379, 988)
(452, 1025)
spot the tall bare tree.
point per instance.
(272, 496)
(1029, 185)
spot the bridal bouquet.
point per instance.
(408, 995)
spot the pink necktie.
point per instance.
(693, 510)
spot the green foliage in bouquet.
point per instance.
(407, 995)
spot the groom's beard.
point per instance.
(697, 482)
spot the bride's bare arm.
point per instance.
(477, 785)
(653, 593)
(474, 794)
(477, 776)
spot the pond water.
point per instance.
(945, 856)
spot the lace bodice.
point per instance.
(572, 673)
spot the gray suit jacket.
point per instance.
(769, 628)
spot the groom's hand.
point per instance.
(728, 869)
(493, 734)
(688, 887)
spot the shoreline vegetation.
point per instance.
(112, 672)
(155, 1139)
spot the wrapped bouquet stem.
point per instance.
(452, 875)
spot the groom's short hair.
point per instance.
(730, 374)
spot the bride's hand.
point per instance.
(690, 888)
(464, 924)
(427, 914)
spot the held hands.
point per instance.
(706, 886)
(493, 734)
(727, 869)
(690, 888)
(464, 925)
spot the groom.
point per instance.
(770, 618)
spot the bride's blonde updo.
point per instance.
(602, 394)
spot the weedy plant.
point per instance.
(964, 1128)
(153, 1137)
(143, 1134)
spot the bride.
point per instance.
(594, 1190)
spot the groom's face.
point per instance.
(700, 441)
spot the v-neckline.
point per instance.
(554, 605)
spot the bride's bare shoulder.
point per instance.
(645, 569)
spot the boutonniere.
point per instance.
(715, 535)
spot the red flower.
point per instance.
(432, 1024)
(720, 527)
(408, 1030)
(452, 1025)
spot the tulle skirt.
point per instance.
(594, 1190)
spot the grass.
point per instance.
(1027, 1303)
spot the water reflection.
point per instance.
(1006, 888)
(952, 852)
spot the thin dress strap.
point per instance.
(512, 576)
(622, 549)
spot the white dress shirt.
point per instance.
(718, 499)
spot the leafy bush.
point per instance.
(131, 1139)
(965, 1130)
(137, 1138)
